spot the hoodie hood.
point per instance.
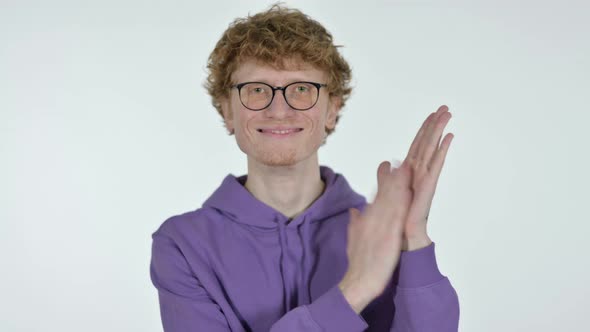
(235, 202)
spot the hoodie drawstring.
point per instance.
(304, 292)
(284, 274)
(306, 264)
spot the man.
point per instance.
(286, 247)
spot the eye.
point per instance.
(256, 89)
(302, 88)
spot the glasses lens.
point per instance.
(301, 95)
(255, 95)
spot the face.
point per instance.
(251, 127)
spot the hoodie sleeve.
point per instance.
(424, 299)
(329, 312)
(185, 304)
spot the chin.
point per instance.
(277, 158)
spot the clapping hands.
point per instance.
(396, 219)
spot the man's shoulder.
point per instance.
(186, 222)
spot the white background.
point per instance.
(106, 130)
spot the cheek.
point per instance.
(240, 118)
(246, 123)
(314, 122)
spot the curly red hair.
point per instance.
(274, 37)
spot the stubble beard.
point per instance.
(277, 157)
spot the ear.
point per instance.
(334, 107)
(227, 114)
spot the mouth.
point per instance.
(280, 133)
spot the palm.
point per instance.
(425, 159)
(423, 185)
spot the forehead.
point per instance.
(252, 70)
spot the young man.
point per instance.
(286, 247)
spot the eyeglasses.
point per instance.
(257, 96)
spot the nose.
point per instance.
(279, 108)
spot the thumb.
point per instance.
(383, 169)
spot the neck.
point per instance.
(288, 189)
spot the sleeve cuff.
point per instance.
(332, 312)
(418, 268)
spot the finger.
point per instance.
(382, 171)
(413, 152)
(434, 141)
(426, 140)
(441, 155)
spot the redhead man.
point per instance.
(290, 246)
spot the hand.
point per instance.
(375, 237)
(425, 160)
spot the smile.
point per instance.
(280, 133)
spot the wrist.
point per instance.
(416, 242)
(355, 295)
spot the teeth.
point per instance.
(282, 132)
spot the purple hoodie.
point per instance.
(236, 264)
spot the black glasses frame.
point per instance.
(274, 89)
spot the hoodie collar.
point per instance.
(237, 203)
